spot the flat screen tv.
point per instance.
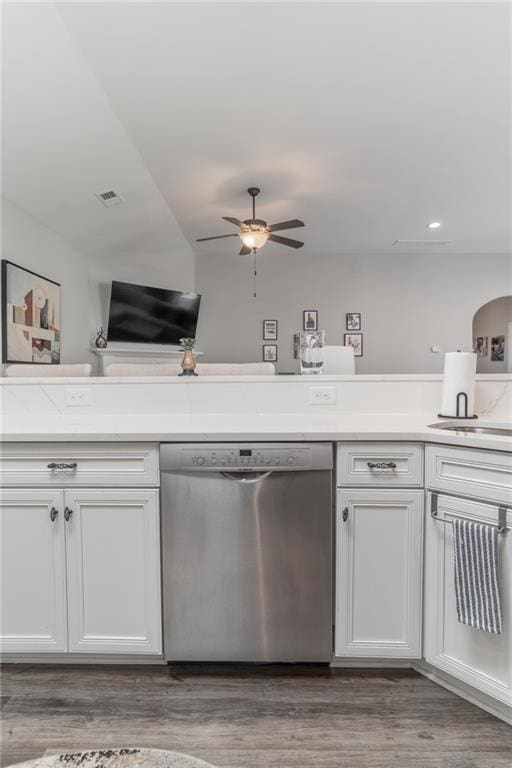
(151, 315)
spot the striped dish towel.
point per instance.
(476, 575)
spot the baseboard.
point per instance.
(79, 658)
(467, 692)
(369, 663)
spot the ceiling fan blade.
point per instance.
(215, 237)
(286, 241)
(232, 220)
(286, 225)
(244, 250)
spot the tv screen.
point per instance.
(151, 315)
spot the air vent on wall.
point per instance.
(108, 198)
(421, 243)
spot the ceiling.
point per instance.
(365, 120)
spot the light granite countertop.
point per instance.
(209, 427)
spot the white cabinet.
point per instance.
(379, 573)
(80, 571)
(379, 464)
(477, 658)
(62, 465)
(33, 582)
(112, 549)
(485, 475)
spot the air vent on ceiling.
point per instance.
(421, 243)
(108, 198)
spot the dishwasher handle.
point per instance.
(248, 479)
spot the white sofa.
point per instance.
(21, 370)
(202, 369)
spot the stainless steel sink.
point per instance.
(474, 429)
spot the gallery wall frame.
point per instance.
(354, 340)
(353, 321)
(269, 353)
(310, 319)
(270, 330)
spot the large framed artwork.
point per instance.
(30, 316)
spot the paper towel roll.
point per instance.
(459, 376)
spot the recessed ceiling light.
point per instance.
(434, 225)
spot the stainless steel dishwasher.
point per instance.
(247, 551)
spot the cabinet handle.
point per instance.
(344, 515)
(53, 514)
(54, 465)
(67, 514)
(381, 465)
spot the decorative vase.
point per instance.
(101, 341)
(188, 364)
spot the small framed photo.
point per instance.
(355, 340)
(270, 330)
(481, 346)
(269, 353)
(310, 320)
(353, 321)
(497, 349)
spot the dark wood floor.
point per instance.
(250, 717)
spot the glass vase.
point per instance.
(312, 352)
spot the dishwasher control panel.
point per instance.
(247, 459)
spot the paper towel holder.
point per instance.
(464, 397)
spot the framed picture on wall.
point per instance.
(310, 320)
(497, 349)
(30, 316)
(353, 321)
(269, 353)
(270, 330)
(355, 340)
(481, 346)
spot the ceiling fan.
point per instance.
(254, 232)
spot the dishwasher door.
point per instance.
(247, 566)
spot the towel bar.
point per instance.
(502, 511)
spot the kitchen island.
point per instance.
(81, 513)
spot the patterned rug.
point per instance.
(117, 758)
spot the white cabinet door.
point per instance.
(33, 580)
(113, 565)
(478, 658)
(379, 573)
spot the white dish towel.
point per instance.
(477, 589)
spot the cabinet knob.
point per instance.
(67, 514)
(381, 465)
(53, 514)
(344, 515)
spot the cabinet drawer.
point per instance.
(79, 464)
(470, 472)
(384, 464)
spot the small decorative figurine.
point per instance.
(101, 341)
(188, 363)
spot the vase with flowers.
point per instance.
(188, 364)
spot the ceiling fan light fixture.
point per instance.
(254, 238)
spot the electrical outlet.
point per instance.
(78, 396)
(322, 395)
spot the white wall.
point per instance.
(28, 243)
(408, 303)
(85, 278)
